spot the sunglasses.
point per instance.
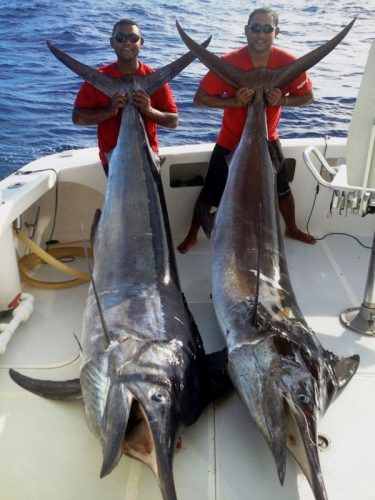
(257, 28)
(124, 37)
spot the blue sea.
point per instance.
(37, 91)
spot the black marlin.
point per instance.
(284, 376)
(144, 374)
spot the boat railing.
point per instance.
(353, 185)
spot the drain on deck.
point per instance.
(323, 442)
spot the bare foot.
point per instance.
(299, 235)
(188, 242)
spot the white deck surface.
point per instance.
(48, 453)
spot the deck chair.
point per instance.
(353, 184)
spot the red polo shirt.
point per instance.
(234, 118)
(89, 97)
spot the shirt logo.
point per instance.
(301, 84)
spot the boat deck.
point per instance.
(47, 451)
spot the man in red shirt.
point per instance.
(92, 107)
(213, 92)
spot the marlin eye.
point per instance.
(302, 398)
(158, 397)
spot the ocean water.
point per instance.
(37, 91)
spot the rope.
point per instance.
(39, 256)
(21, 313)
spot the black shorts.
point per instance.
(217, 174)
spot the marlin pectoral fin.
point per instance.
(344, 369)
(273, 412)
(50, 389)
(104, 83)
(262, 399)
(115, 421)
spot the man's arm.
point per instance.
(88, 116)
(275, 98)
(162, 118)
(242, 98)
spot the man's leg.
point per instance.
(287, 210)
(192, 235)
(285, 196)
(210, 195)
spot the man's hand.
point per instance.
(274, 97)
(143, 101)
(118, 101)
(243, 96)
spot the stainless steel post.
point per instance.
(362, 319)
